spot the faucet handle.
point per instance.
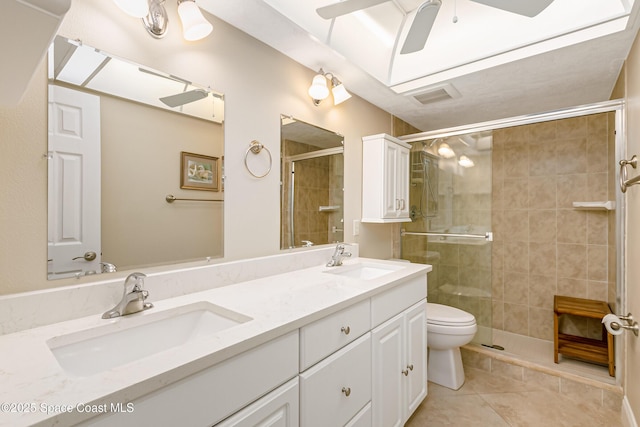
(137, 279)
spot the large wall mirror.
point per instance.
(312, 196)
(135, 165)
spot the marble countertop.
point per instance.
(36, 390)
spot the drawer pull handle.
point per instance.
(346, 330)
(410, 367)
(405, 372)
(346, 391)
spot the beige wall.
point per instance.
(259, 84)
(141, 148)
(632, 266)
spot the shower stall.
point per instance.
(512, 212)
(450, 200)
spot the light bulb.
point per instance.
(445, 151)
(194, 24)
(318, 89)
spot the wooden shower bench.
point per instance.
(597, 351)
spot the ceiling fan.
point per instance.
(426, 15)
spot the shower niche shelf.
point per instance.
(608, 205)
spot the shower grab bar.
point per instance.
(171, 198)
(488, 236)
(624, 181)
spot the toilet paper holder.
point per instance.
(631, 324)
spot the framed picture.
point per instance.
(198, 172)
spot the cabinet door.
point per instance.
(277, 409)
(402, 182)
(389, 171)
(388, 381)
(416, 334)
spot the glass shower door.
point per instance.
(450, 199)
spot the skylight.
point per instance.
(483, 36)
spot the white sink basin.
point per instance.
(131, 338)
(363, 270)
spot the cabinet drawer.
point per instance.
(387, 304)
(362, 418)
(213, 394)
(334, 390)
(323, 337)
(277, 409)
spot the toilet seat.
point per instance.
(444, 315)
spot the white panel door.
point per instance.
(74, 182)
(416, 324)
(387, 398)
(402, 182)
(390, 173)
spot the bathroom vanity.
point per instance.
(317, 346)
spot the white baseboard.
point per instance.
(628, 418)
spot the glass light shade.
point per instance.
(465, 162)
(318, 89)
(340, 94)
(135, 8)
(445, 151)
(194, 24)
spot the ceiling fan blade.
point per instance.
(421, 26)
(184, 97)
(528, 8)
(344, 7)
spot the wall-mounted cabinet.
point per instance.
(385, 179)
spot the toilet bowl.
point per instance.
(448, 328)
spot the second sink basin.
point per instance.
(364, 270)
(129, 339)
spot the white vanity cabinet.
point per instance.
(399, 355)
(385, 179)
(335, 360)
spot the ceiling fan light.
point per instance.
(318, 89)
(445, 151)
(340, 94)
(194, 24)
(135, 8)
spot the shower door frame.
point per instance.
(618, 107)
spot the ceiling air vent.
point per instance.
(435, 94)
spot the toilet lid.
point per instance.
(438, 314)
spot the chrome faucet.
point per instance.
(338, 254)
(132, 301)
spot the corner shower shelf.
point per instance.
(609, 205)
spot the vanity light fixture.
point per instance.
(465, 162)
(446, 151)
(194, 25)
(135, 8)
(319, 89)
(154, 17)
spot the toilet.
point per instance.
(448, 328)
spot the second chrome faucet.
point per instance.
(132, 300)
(338, 255)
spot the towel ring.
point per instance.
(256, 147)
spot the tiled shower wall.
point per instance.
(318, 182)
(542, 245)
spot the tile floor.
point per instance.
(488, 400)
